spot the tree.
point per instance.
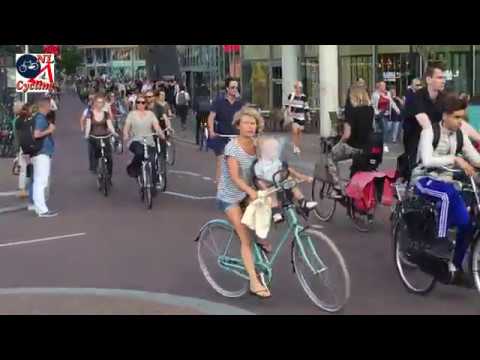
(71, 59)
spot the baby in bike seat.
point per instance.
(265, 167)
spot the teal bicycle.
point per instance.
(318, 264)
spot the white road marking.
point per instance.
(317, 226)
(190, 196)
(180, 172)
(207, 178)
(12, 209)
(9, 193)
(200, 305)
(42, 240)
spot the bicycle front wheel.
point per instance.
(321, 270)
(105, 178)
(147, 189)
(322, 194)
(217, 246)
(171, 153)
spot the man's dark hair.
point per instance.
(228, 80)
(452, 102)
(432, 66)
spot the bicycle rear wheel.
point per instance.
(218, 245)
(321, 193)
(321, 270)
(170, 153)
(414, 279)
(363, 222)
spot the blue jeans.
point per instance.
(453, 212)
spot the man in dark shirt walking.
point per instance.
(221, 114)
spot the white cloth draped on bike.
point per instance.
(258, 215)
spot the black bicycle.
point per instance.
(148, 175)
(420, 258)
(103, 177)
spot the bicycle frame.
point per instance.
(265, 264)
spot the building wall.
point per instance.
(261, 71)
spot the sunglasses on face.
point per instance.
(141, 102)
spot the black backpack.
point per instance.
(371, 157)
(30, 145)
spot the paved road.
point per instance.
(118, 244)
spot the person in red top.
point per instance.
(383, 105)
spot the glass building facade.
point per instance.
(114, 60)
(260, 68)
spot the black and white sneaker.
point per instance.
(48, 214)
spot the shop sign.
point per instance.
(449, 75)
(390, 76)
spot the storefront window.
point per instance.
(255, 86)
(355, 62)
(89, 56)
(101, 56)
(396, 65)
(458, 63)
(256, 52)
(311, 81)
(121, 54)
(277, 52)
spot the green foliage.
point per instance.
(71, 59)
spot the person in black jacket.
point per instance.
(357, 133)
(201, 107)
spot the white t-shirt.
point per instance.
(265, 169)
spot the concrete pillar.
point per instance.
(289, 70)
(328, 72)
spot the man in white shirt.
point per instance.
(438, 185)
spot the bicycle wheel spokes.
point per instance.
(414, 279)
(218, 252)
(322, 194)
(321, 270)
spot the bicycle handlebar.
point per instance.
(100, 137)
(451, 170)
(274, 189)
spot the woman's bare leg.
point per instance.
(234, 215)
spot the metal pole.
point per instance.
(474, 77)
(25, 95)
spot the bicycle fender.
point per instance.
(217, 221)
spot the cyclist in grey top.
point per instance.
(235, 188)
(140, 123)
